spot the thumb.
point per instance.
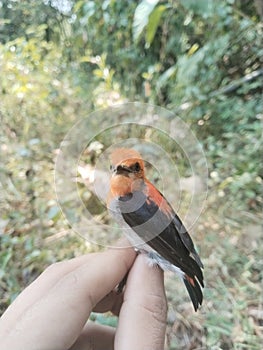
(142, 319)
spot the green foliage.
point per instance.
(201, 59)
(38, 103)
(107, 319)
(20, 18)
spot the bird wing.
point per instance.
(153, 219)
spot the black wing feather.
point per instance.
(168, 238)
(195, 293)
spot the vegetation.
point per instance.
(202, 60)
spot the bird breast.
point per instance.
(120, 185)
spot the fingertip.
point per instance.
(146, 270)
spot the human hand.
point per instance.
(52, 313)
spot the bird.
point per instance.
(150, 223)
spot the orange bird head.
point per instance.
(127, 166)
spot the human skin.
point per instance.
(52, 312)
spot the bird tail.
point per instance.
(194, 291)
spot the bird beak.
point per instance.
(120, 170)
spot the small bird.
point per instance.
(150, 222)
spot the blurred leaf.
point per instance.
(3, 222)
(153, 23)
(53, 213)
(34, 141)
(104, 319)
(166, 76)
(4, 259)
(141, 17)
(201, 7)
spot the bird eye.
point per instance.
(119, 168)
(136, 167)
